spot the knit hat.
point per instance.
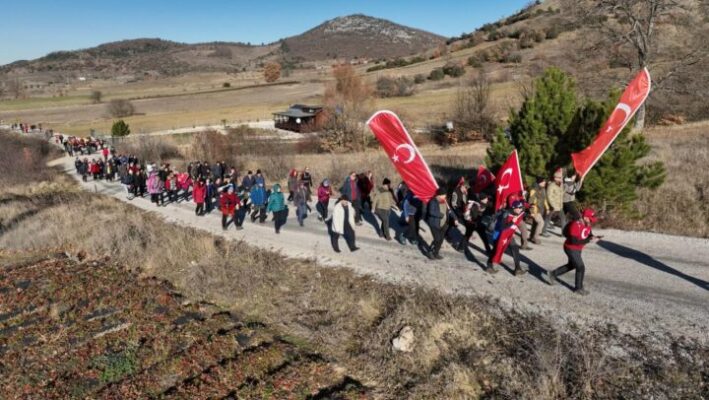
(386, 181)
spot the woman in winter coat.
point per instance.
(277, 205)
(229, 204)
(199, 193)
(343, 222)
(155, 186)
(300, 200)
(292, 183)
(324, 193)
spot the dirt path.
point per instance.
(642, 282)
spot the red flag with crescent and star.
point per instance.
(508, 180)
(403, 153)
(633, 97)
(483, 179)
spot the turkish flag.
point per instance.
(508, 180)
(403, 153)
(483, 179)
(506, 237)
(631, 100)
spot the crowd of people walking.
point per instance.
(237, 196)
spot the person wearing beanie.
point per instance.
(277, 205)
(383, 202)
(437, 219)
(324, 193)
(578, 233)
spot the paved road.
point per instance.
(642, 282)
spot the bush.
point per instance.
(395, 87)
(553, 32)
(453, 70)
(419, 79)
(120, 129)
(474, 61)
(226, 85)
(120, 108)
(511, 58)
(472, 116)
(437, 74)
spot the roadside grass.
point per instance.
(681, 205)
(464, 347)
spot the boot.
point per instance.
(519, 271)
(551, 278)
(582, 292)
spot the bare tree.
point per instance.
(471, 109)
(635, 23)
(120, 108)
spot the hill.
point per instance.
(360, 36)
(355, 36)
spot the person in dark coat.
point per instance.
(437, 217)
(350, 190)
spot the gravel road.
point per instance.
(645, 283)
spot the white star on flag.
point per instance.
(395, 158)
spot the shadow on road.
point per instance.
(649, 261)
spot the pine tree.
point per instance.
(120, 128)
(612, 182)
(500, 148)
(542, 120)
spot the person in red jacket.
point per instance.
(505, 227)
(229, 204)
(578, 233)
(199, 193)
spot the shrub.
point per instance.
(419, 79)
(474, 61)
(437, 74)
(472, 115)
(553, 32)
(120, 129)
(120, 108)
(395, 87)
(511, 58)
(226, 85)
(453, 70)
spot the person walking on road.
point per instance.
(555, 199)
(507, 224)
(437, 219)
(572, 185)
(229, 205)
(258, 203)
(277, 205)
(199, 194)
(538, 208)
(342, 223)
(300, 201)
(350, 190)
(578, 234)
(324, 193)
(383, 202)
